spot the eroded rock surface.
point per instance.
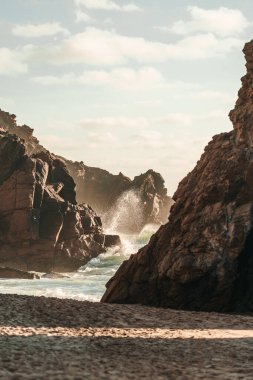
(41, 226)
(202, 259)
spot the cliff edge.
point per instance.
(202, 259)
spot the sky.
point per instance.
(124, 85)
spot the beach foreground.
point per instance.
(48, 338)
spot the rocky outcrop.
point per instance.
(153, 194)
(41, 226)
(107, 193)
(17, 274)
(202, 259)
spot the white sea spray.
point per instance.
(88, 283)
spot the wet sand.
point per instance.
(48, 338)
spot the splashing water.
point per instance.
(88, 283)
(145, 234)
(126, 215)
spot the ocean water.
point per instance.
(88, 283)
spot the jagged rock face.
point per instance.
(104, 190)
(202, 259)
(153, 194)
(41, 226)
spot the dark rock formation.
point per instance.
(41, 226)
(156, 202)
(104, 191)
(17, 274)
(203, 258)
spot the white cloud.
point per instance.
(176, 119)
(222, 21)
(148, 139)
(81, 16)
(61, 145)
(114, 122)
(171, 119)
(207, 95)
(11, 62)
(107, 5)
(39, 30)
(185, 119)
(51, 80)
(95, 139)
(102, 47)
(124, 78)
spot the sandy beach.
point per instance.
(48, 338)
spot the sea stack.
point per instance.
(202, 259)
(41, 226)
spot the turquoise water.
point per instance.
(88, 283)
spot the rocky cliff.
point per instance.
(202, 259)
(41, 226)
(102, 190)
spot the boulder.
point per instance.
(17, 274)
(112, 240)
(41, 226)
(202, 258)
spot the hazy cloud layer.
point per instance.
(39, 30)
(82, 16)
(103, 47)
(11, 62)
(107, 5)
(124, 78)
(171, 119)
